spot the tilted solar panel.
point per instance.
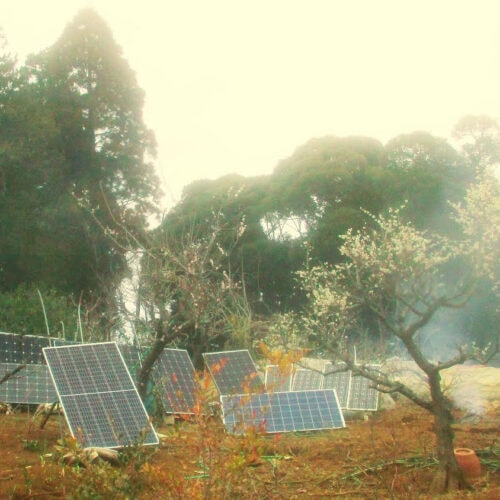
(338, 380)
(304, 379)
(233, 372)
(362, 394)
(100, 401)
(174, 377)
(30, 385)
(277, 381)
(282, 411)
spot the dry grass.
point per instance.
(388, 454)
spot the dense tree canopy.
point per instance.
(77, 183)
(314, 196)
(76, 178)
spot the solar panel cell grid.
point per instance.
(338, 380)
(233, 372)
(174, 377)
(276, 380)
(283, 411)
(21, 349)
(362, 394)
(98, 396)
(30, 385)
(305, 379)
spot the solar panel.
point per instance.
(174, 377)
(233, 372)
(362, 396)
(30, 385)
(277, 381)
(100, 401)
(22, 349)
(338, 380)
(305, 380)
(282, 411)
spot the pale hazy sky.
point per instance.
(235, 86)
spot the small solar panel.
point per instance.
(174, 377)
(30, 385)
(277, 381)
(338, 380)
(305, 380)
(100, 401)
(233, 372)
(282, 411)
(362, 394)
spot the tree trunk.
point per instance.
(147, 366)
(450, 476)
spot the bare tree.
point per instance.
(189, 296)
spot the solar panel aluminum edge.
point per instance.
(233, 372)
(174, 377)
(338, 378)
(277, 381)
(30, 385)
(100, 401)
(362, 395)
(278, 412)
(305, 379)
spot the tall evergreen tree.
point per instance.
(77, 183)
(105, 187)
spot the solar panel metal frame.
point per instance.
(233, 371)
(305, 379)
(361, 395)
(338, 380)
(293, 411)
(100, 401)
(174, 377)
(30, 385)
(277, 381)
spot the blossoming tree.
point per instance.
(399, 274)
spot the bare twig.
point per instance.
(12, 373)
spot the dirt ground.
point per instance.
(387, 454)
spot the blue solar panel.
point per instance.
(282, 411)
(174, 377)
(22, 349)
(100, 401)
(233, 372)
(276, 380)
(30, 385)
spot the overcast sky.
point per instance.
(235, 86)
